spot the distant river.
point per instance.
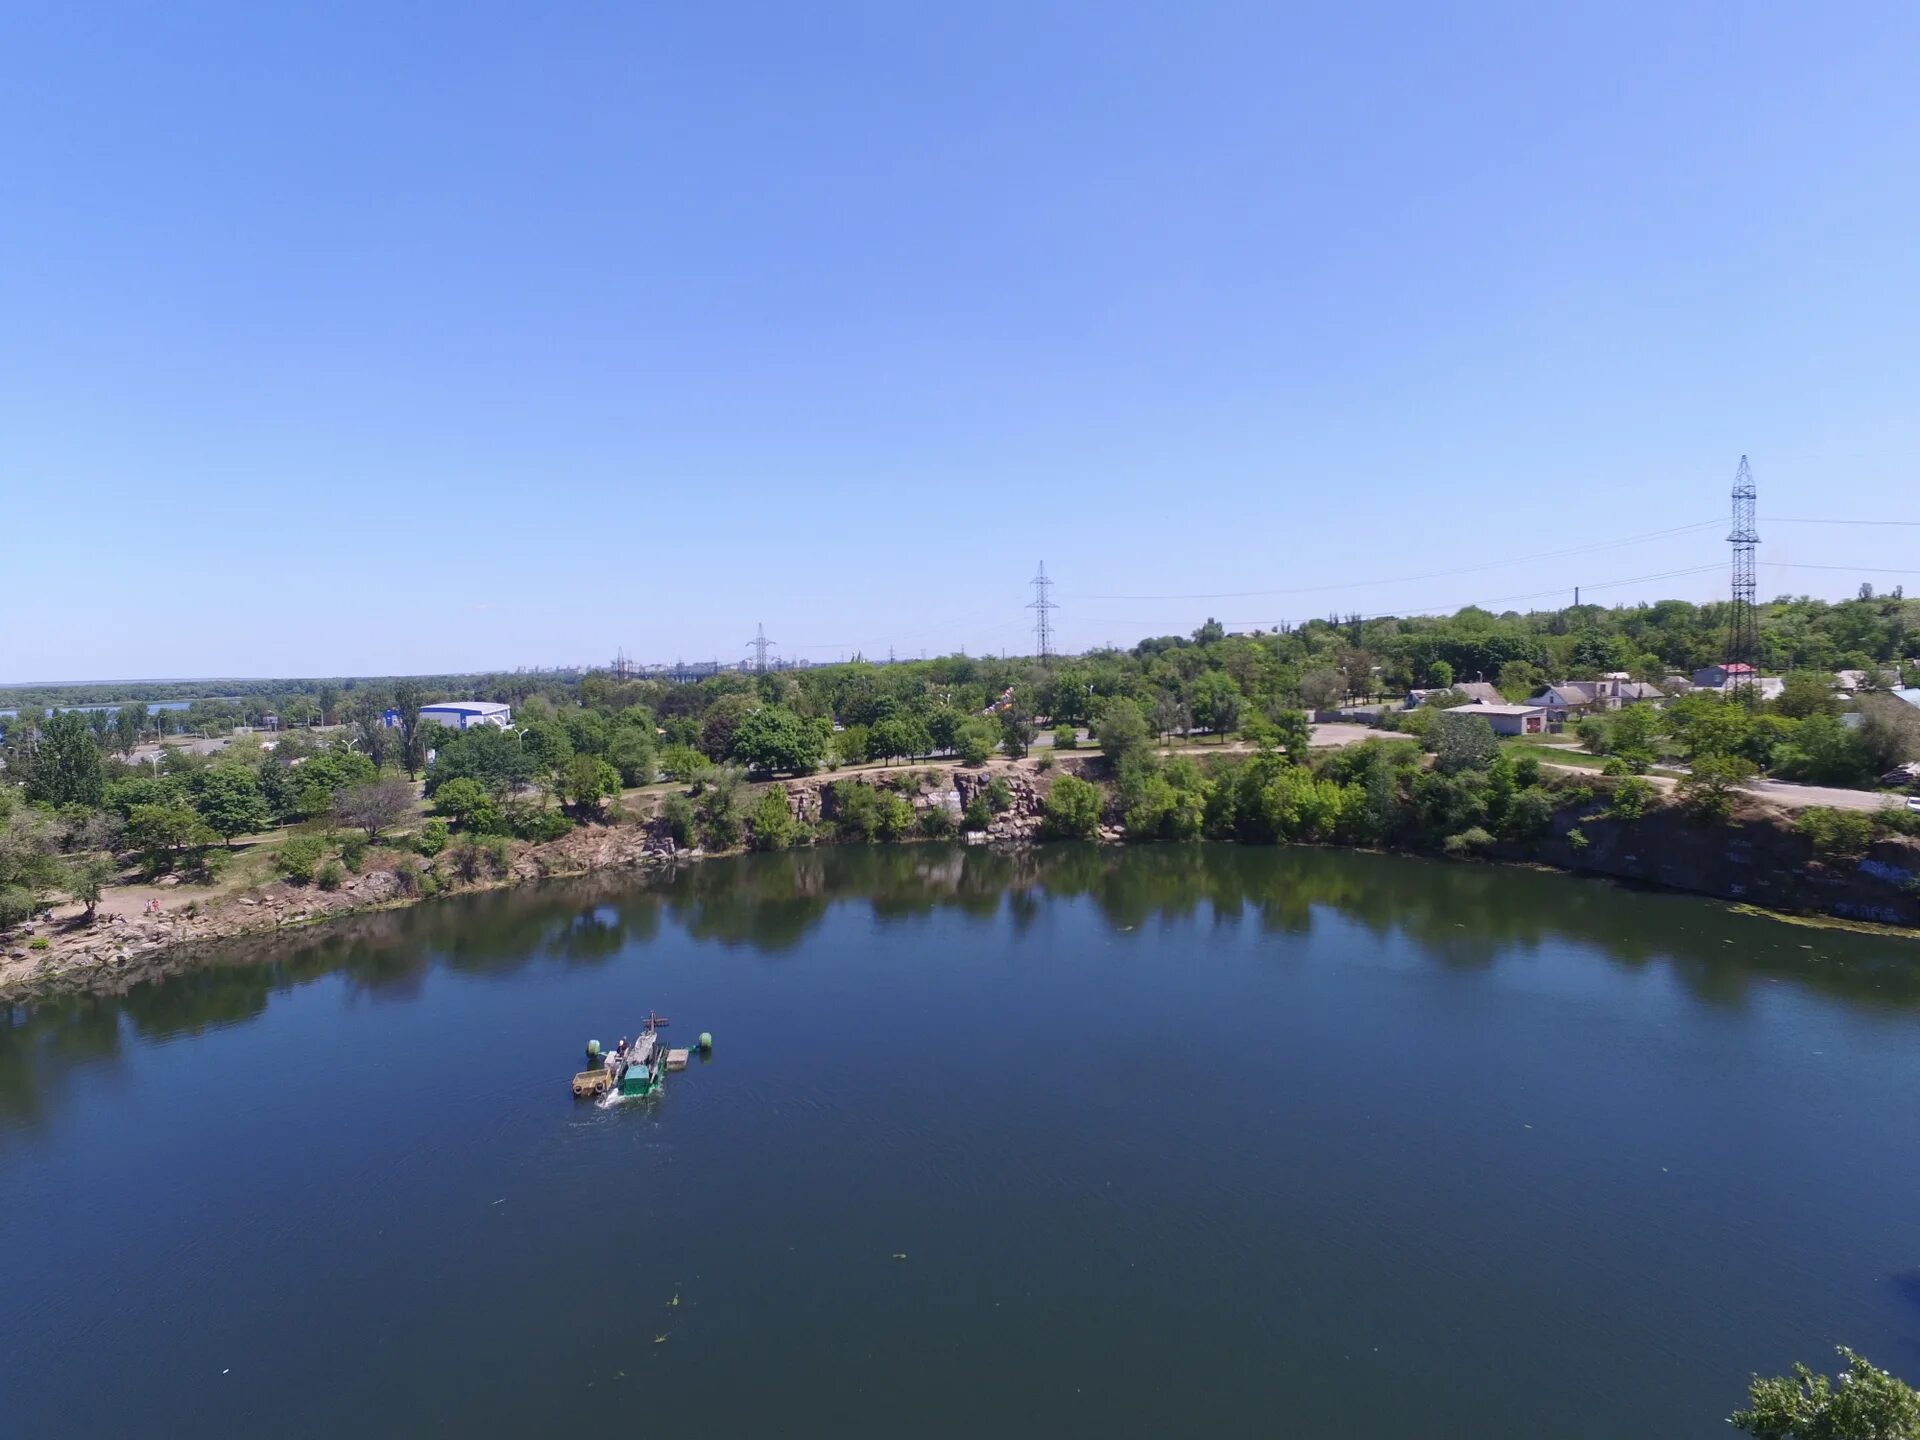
(153, 707)
(1153, 1142)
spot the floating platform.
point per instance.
(589, 1083)
(676, 1059)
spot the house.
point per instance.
(1910, 695)
(1617, 688)
(1566, 698)
(1476, 690)
(1715, 677)
(465, 714)
(1506, 719)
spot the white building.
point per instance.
(465, 714)
(1506, 719)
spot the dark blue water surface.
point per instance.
(1087, 1142)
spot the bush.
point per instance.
(1577, 839)
(539, 824)
(468, 860)
(936, 822)
(1045, 762)
(770, 824)
(1066, 737)
(976, 742)
(676, 813)
(299, 857)
(353, 852)
(1073, 808)
(999, 795)
(976, 816)
(1835, 832)
(432, 838)
(1467, 842)
(39, 942)
(1631, 799)
(330, 875)
(406, 876)
(895, 817)
(1528, 815)
(497, 853)
(430, 884)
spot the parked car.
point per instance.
(1913, 803)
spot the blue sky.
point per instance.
(378, 338)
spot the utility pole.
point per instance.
(759, 645)
(1743, 620)
(1043, 607)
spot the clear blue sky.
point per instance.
(372, 338)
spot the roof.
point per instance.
(1482, 691)
(1738, 667)
(1581, 690)
(1911, 695)
(465, 707)
(1482, 709)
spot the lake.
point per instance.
(1083, 1142)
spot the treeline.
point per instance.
(217, 705)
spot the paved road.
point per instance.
(1786, 793)
(1780, 792)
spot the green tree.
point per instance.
(460, 798)
(719, 806)
(1439, 675)
(1073, 808)
(1868, 1404)
(683, 764)
(898, 737)
(1632, 737)
(1713, 784)
(65, 767)
(1292, 733)
(1016, 733)
(1806, 692)
(1462, 742)
(722, 719)
(976, 742)
(587, 783)
(161, 832)
(631, 753)
(325, 775)
(773, 738)
(1122, 730)
(408, 697)
(228, 798)
(87, 878)
(1216, 702)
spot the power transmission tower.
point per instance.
(1043, 607)
(759, 645)
(1743, 621)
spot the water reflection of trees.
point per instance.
(1460, 915)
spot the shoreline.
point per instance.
(1758, 865)
(153, 956)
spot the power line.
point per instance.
(1851, 569)
(1803, 520)
(1430, 575)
